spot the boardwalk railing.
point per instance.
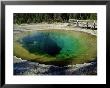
(89, 24)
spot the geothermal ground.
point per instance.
(25, 67)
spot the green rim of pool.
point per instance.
(60, 47)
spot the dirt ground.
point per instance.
(46, 26)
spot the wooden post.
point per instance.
(77, 23)
(94, 25)
(87, 24)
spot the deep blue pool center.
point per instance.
(50, 43)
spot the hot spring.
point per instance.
(55, 46)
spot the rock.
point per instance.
(34, 68)
(17, 60)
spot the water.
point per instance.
(50, 46)
(41, 43)
(51, 43)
